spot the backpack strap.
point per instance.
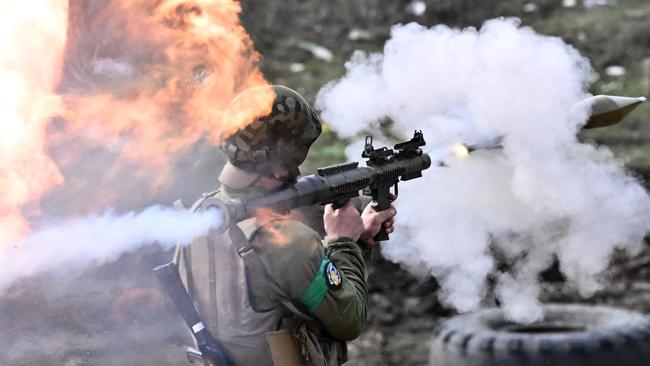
(183, 259)
(183, 253)
(212, 271)
(241, 234)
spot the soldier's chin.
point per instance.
(237, 178)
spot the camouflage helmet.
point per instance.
(277, 142)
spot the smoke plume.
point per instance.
(101, 238)
(544, 194)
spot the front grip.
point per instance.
(340, 200)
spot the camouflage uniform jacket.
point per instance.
(325, 279)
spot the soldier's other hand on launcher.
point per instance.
(373, 221)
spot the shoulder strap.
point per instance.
(183, 252)
(241, 234)
(179, 206)
(183, 258)
(241, 240)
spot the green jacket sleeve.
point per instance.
(328, 279)
(347, 306)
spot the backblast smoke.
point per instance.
(101, 238)
(544, 194)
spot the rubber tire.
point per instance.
(612, 336)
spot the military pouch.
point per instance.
(317, 351)
(284, 348)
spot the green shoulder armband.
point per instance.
(317, 289)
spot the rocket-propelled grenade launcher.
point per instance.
(386, 167)
(336, 184)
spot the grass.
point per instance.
(569, 21)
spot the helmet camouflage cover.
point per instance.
(276, 142)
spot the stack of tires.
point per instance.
(568, 335)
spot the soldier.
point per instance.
(271, 289)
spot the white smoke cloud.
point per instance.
(544, 194)
(102, 238)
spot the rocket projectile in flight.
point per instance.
(607, 110)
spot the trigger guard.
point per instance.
(219, 204)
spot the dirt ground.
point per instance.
(107, 319)
(113, 313)
(404, 309)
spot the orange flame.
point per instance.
(30, 70)
(143, 79)
(202, 59)
(275, 224)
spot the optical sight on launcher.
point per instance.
(338, 183)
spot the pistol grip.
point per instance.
(380, 202)
(381, 235)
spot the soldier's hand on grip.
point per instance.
(343, 222)
(373, 221)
